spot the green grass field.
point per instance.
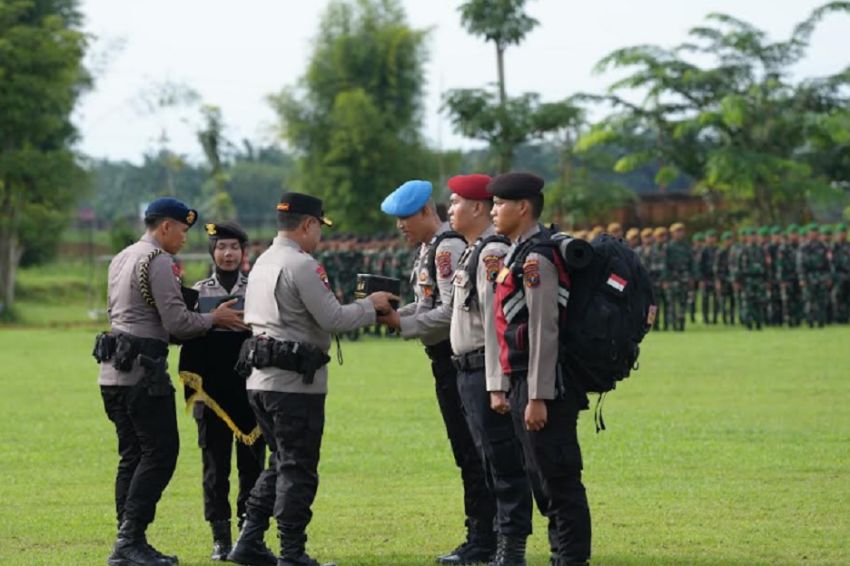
(727, 447)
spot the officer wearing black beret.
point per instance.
(145, 308)
(545, 413)
(220, 402)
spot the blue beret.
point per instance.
(408, 199)
(169, 207)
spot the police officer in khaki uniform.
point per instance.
(292, 311)
(145, 307)
(429, 319)
(482, 385)
(530, 299)
(221, 408)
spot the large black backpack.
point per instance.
(611, 307)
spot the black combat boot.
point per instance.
(132, 549)
(292, 551)
(222, 542)
(479, 546)
(510, 551)
(250, 548)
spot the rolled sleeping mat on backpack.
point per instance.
(577, 253)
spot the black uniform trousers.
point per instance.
(554, 456)
(478, 502)
(148, 444)
(501, 454)
(292, 425)
(215, 439)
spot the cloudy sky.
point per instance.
(234, 53)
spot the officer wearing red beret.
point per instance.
(481, 383)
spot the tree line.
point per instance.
(719, 113)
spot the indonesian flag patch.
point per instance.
(617, 282)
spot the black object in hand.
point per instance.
(368, 284)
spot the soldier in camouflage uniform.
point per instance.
(697, 245)
(773, 302)
(633, 238)
(735, 267)
(785, 276)
(677, 276)
(647, 240)
(706, 277)
(655, 265)
(752, 281)
(723, 282)
(841, 263)
(815, 273)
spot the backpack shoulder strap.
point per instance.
(472, 265)
(432, 253)
(542, 244)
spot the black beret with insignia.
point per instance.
(226, 231)
(169, 207)
(516, 186)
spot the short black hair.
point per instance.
(288, 221)
(153, 222)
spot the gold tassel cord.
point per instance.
(145, 277)
(196, 383)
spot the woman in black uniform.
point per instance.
(220, 403)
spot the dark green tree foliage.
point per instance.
(41, 77)
(217, 203)
(503, 122)
(354, 117)
(584, 189)
(738, 125)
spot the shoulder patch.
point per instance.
(531, 273)
(323, 275)
(444, 264)
(492, 265)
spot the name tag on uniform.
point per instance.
(461, 278)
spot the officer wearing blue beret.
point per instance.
(429, 320)
(145, 308)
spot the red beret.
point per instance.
(473, 187)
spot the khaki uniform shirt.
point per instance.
(426, 318)
(540, 287)
(212, 287)
(130, 314)
(476, 328)
(289, 298)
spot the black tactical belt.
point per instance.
(264, 351)
(123, 349)
(470, 361)
(439, 351)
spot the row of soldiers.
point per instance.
(345, 255)
(767, 276)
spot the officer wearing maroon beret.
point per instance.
(543, 402)
(481, 383)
